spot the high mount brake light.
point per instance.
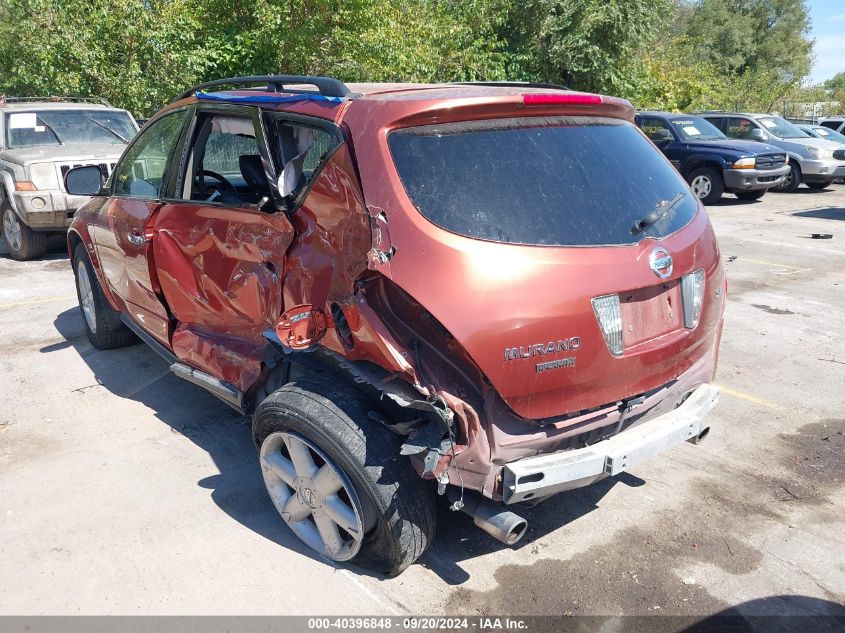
(553, 99)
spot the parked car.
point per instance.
(835, 123)
(40, 140)
(811, 160)
(453, 306)
(712, 163)
(819, 131)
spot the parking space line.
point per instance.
(742, 395)
(765, 263)
(34, 301)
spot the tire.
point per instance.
(103, 326)
(394, 508)
(751, 195)
(792, 180)
(706, 184)
(819, 185)
(23, 243)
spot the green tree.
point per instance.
(762, 46)
(586, 44)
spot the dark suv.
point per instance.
(711, 162)
(413, 289)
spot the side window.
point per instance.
(833, 125)
(654, 129)
(739, 127)
(302, 150)
(224, 164)
(140, 173)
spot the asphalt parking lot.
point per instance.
(124, 490)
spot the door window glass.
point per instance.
(739, 127)
(140, 173)
(302, 150)
(656, 130)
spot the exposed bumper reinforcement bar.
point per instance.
(537, 477)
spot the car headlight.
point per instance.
(745, 163)
(819, 152)
(43, 176)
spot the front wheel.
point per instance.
(337, 479)
(22, 241)
(751, 195)
(706, 184)
(819, 185)
(792, 180)
(103, 326)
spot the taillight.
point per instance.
(692, 290)
(560, 98)
(609, 316)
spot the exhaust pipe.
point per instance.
(491, 517)
(698, 439)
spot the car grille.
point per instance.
(839, 154)
(105, 169)
(771, 161)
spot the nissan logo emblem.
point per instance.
(661, 262)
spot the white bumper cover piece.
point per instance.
(537, 477)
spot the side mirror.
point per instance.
(84, 181)
(759, 135)
(663, 136)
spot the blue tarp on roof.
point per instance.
(266, 98)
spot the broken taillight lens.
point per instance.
(692, 290)
(609, 316)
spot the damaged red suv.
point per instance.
(495, 292)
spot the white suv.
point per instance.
(40, 140)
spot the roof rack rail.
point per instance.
(512, 84)
(54, 99)
(327, 86)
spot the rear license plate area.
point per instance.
(649, 313)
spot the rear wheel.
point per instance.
(337, 479)
(706, 184)
(792, 180)
(751, 195)
(22, 242)
(103, 326)
(819, 185)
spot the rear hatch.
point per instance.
(565, 253)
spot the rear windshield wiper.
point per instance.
(662, 208)
(108, 129)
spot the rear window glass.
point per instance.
(562, 181)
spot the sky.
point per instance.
(828, 18)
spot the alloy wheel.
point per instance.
(12, 230)
(701, 186)
(313, 495)
(86, 297)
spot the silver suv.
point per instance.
(813, 161)
(40, 140)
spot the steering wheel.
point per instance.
(225, 185)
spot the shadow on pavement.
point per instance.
(774, 614)
(138, 373)
(832, 213)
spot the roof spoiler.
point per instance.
(326, 86)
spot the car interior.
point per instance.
(225, 165)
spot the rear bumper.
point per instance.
(754, 179)
(537, 477)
